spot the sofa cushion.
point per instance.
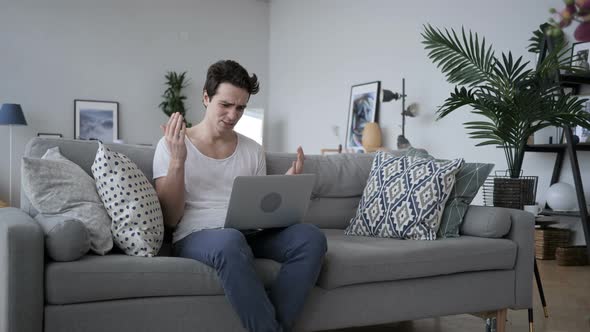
(110, 277)
(486, 222)
(57, 186)
(468, 181)
(340, 175)
(131, 202)
(358, 259)
(66, 238)
(404, 197)
(82, 153)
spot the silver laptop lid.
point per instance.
(268, 201)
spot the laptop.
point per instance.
(271, 201)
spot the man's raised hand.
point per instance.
(174, 132)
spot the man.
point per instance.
(194, 171)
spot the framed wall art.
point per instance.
(49, 135)
(96, 120)
(580, 52)
(363, 108)
(583, 133)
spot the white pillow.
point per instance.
(131, 201)
(57, 186)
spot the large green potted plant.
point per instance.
(515, 98)
(173, 97)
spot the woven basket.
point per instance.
(548, 239)
(571, 255)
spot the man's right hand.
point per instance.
(174, 132)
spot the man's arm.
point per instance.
(170, 188)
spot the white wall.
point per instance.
(52, 52)
(319, 48)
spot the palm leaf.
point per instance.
(463, 60)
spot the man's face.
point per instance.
(226, 107)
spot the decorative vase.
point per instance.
(371, 137)
(561, 196)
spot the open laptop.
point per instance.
(271, 201)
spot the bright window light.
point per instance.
(252, 124)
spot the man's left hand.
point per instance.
(297, 166)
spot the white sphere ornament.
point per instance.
(562, 197)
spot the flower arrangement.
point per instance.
(575, 10)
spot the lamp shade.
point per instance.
(388, 95)
(371, 137)
(12, 114)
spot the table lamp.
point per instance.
(11, 114)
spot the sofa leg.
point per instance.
(531, 323)
(501, 320)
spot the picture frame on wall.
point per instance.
(583, 133)
(49, 135)
(96, 120)
(363, 108)
(580, 56)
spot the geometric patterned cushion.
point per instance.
(469, 179)
(404, 197)
(131, 202)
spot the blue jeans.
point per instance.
(299, 248)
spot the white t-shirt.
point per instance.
(208, 181)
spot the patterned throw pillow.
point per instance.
(404, 197)
(469, 179)
(131, 201)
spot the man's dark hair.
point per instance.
(229, 71)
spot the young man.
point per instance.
(194, 170)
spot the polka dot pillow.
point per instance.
(131, 202)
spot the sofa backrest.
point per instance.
(83, 153)
(341, 178)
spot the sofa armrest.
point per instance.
(21, 272)
(515, 225)
(522, 231)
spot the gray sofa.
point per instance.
(364, 281)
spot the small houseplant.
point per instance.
(173, 97)
(516, 99)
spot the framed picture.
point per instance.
(96, 120)
(583, 133)
(49, 135)
(580, 52)
(363, 108)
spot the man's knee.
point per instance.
(311, 238)
(230, 244)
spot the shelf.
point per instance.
(549, 212)
(574, 79)
(555, 147)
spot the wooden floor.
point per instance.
(567, 291)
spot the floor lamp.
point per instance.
(410, 111)
(11, 114)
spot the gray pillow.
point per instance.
(66, 238)
(485, 221)
(468, 181)
(57, 186)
